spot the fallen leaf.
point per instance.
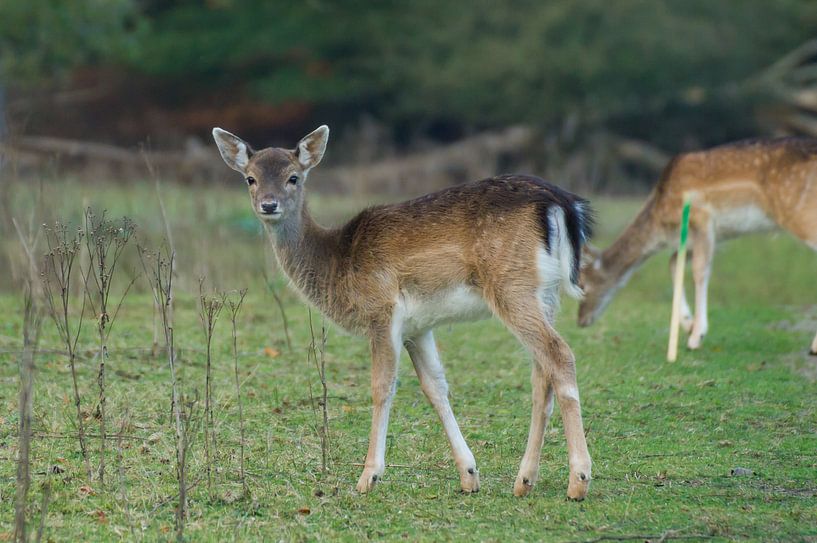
(164, 529)
(304, 510)
(270, 352)
(101, 517)
(87, 490)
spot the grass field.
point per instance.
(663, 438)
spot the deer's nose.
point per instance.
(268, 207)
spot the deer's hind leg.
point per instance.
(703, 250)
(541, 410)
(527, 314)
(686, 311)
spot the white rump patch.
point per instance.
(556, 268)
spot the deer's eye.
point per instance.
(251, 180)
(293, 180)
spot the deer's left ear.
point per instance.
(310, 149)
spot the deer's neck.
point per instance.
(640, 240)
(307, 252)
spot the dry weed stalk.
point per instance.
(154, 174)
(158, 269)
(32, 318)
(317, 353)
(209, 309)
(58, 267)
(274, 291)
(235, 306)
(123, 489)
(105, 242)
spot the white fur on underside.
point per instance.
(742, 220)
(456, 304)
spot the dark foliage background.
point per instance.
(676, 74)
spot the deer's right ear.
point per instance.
(235, 151)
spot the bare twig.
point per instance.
(105, 242)
(235, 307)
(274, 291)
(158, 269)
(209, 309)
(123, 490)
(317, 353)
(58, 266)
(31, 329)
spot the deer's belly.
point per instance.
(456, 304)
(743, 220)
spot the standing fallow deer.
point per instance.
(504, 245)
(738, 188)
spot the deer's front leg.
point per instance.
(385, 344)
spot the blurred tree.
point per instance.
(661, 70)
(477, 63)
(45, 39)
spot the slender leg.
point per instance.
(558, 366)
(385, 355)
(542, 393)
(703, 249)
(686, 311)
(426, 359)
(813, 349)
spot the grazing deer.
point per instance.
(503, 245)
(743, 187)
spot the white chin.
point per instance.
(270, 217)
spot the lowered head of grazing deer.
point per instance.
(735, 189)
(503, 246)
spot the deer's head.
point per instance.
(275, 177)
(593, 280)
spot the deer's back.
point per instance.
(750, 184)
(463, 237)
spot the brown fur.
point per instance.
(772, 182)
(394, 272)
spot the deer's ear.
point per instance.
(235, 151)
(310, 149)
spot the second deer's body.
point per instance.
(739, 188)
(504, 246)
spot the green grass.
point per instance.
(663, 437)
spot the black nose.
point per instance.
(269, 207)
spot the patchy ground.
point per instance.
(666, 440)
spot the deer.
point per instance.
(738, 188)
(505, 246)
